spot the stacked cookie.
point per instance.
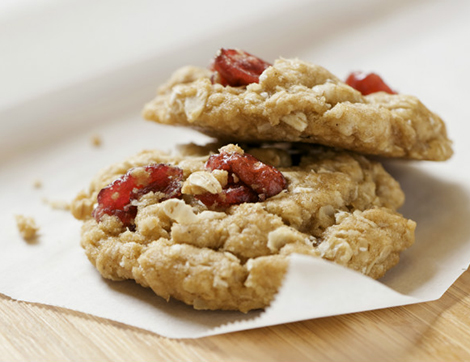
(213, 225)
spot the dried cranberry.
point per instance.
(368, 83)
(232, 194)
(116, 198)
(236, 67)
(249, 180)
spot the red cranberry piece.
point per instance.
(116, 198)
(368, 83)
(236, 67)
(249, 180)
(265, 180)
(231, 195)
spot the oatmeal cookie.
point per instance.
(229, 254)
(296, 101)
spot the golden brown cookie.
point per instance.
(296, 101)
(191, 239)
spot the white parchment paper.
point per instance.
(48, 139)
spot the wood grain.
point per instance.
(434, 331)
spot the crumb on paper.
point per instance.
(57, 204)
(96, 140)
(37, 184)
(26, 226)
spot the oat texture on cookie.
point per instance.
(296, 101)
(221, 251)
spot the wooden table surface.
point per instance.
(434, 331)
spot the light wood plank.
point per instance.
(433, 331)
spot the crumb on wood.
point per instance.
(96, 140)
(57, 204)
(26, 226)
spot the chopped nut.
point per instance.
(201, 182)
(231, 148)
(179, 211)
(221, 176)
(26, 226)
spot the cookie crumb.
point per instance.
(82, 206)
(37, 184)
(57, 204)
(96, 140)
(26, 226)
